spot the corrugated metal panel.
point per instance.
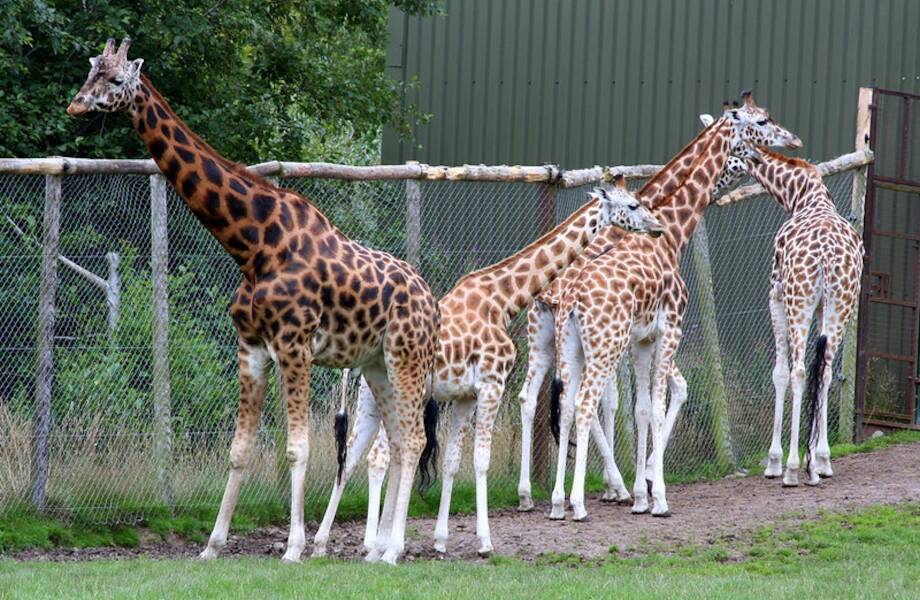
(589, 82)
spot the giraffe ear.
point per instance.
(135, 66)
(93, 61)
(706, 119)
(619, 181)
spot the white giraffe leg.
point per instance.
(780, 380)
(642, 364)
(378, 461)
(677, 386)
(542, 355)
(664, 357)
(799, 322)
(459, 425)
(593, 383)
(253, 364)
(367, 424)
(833, 328)
(615, 488)
(386, 406)
(490, 396)
(571, 363)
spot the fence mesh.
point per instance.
(103, 464)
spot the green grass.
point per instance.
(21, 529)
(871, 553)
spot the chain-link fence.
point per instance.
(111, 454)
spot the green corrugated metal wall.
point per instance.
(586, 82)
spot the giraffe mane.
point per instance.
(235, 167)
(789, 160)
(696, 163)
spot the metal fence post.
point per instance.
(162, 408)
(413, 220)
(846, 421)
(716, 395)
(542, 438)
(44, 374)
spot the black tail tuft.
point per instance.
(555, 408)
(814, 386)
(428, 461)
(341, 433)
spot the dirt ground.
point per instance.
(703, 513)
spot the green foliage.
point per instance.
(21, 529)
(256, 79)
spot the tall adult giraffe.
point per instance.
(476, 353)
(308, 295)
(817, 265)
(635, 294)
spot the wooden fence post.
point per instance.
(542, 438)
(413, 221)
(846, 423)
(716, 397)
(162, 406)
(44, 374)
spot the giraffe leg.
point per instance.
(780, 380)
(409, 394)
(366, 426)
(798, 317)
(490, 397)
(459, 426)
(386, 406)
(596, 376)
(677, 386)
(542, 355)
(377, 463)
(615, 488)
(664, 359)
(295, 362)
(253, 364)
(642, 364)
(834, 328)
(571, 362)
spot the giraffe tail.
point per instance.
(555, 408)
(815, 380)
(341, 427)
(428, 461)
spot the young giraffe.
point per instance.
(308, 295)
(817, 263)
(541, 341)
(635, 294)
(475, 352)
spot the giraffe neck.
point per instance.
(700, 165)
(243, 211)
(515, 281)
(790, 181)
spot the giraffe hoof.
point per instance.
(582, 519)
(485, 551)
(641, 511)
(525, 505)
(208, 554)
(664, 515)
(624, 501)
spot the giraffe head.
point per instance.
(621, 207)
(753, 124)
(111, 83)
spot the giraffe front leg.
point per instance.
(542, 355)
(295, 363)
(377, 463)
(780, 382)
(605, 439)
(459, 425)
(677, 386)
(366, 427)
(253, 364)
(642, 364)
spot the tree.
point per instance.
(258, 79)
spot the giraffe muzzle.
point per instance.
(77, 108)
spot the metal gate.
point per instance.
(887, 382)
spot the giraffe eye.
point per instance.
(117, 80)
(634, 206)
(762, 122)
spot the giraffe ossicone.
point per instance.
(308, 294)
